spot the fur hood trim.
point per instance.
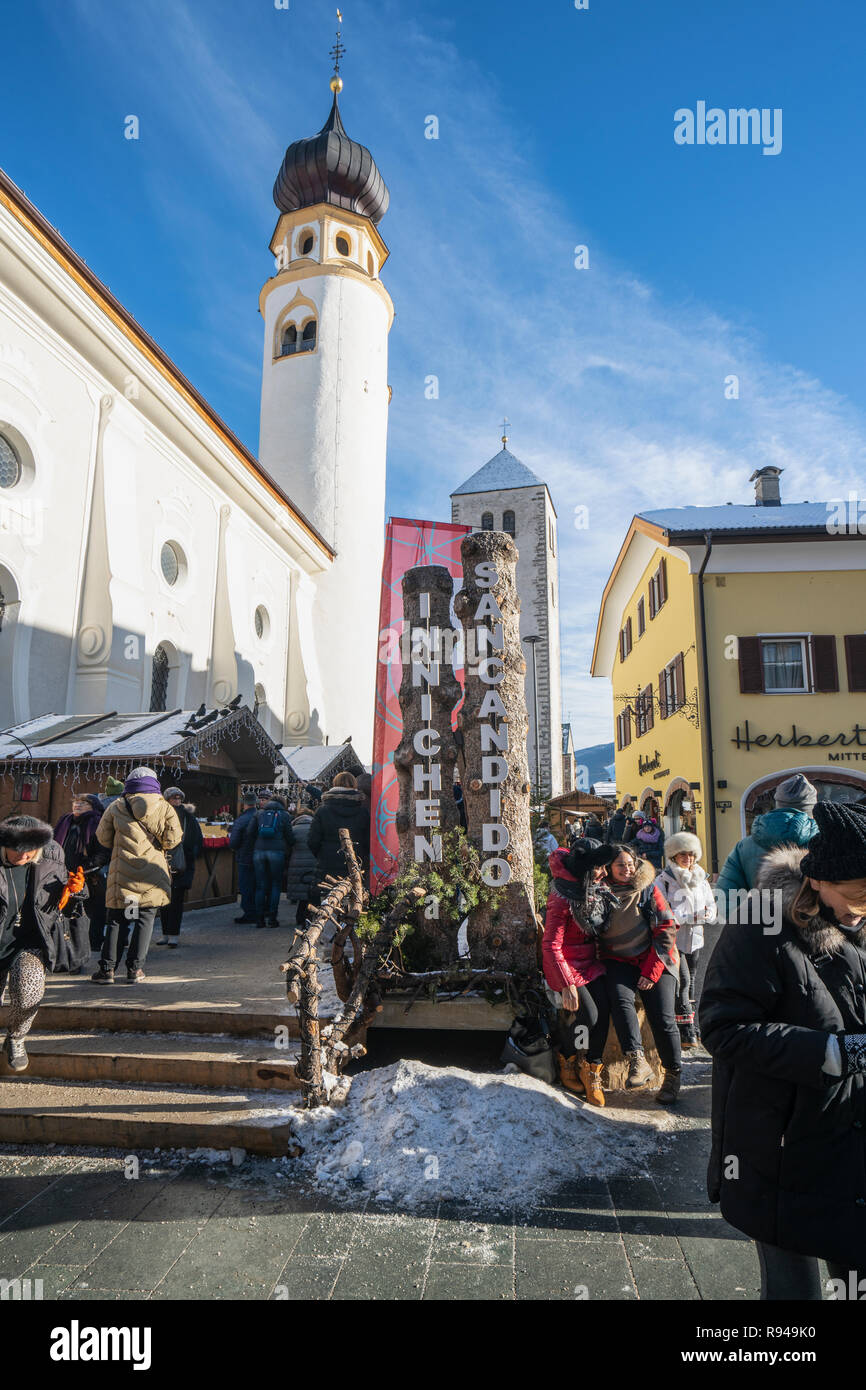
(779, 871)
(24, 832)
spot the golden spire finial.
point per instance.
(506, 425)
(337, 53)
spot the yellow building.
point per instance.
(735, 639)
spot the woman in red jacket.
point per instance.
(578, 910)
(640, 951)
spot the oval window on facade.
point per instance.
(10, 463)
(262, 622)
(307, 244)
(342, 244)
(172, 562)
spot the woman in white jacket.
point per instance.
(687, 889)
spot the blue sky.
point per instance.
(556, 129)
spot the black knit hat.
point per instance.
(586, 854)
(838, 851)
(24, 832)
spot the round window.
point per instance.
(10, 464)
(343, 245)
(262, 621)
(307, 245)
(172, 562)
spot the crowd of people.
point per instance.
(292, 847)
(782, 1012)
(117, 862)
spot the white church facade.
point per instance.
(147, 559)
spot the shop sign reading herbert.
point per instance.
(427, 773)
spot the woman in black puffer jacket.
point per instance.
(341, 807)
(302, 872)
(783, 1012)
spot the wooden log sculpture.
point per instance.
(429, 693)
(494, 726)
(325, 1051)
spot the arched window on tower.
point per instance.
(487, 521)
(508, 523)
(159, 679)
(290, 341)
(308, 337)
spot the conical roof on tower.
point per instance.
(332, 168)
(501, 472)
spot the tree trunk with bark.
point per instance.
(494, 726)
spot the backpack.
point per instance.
(269, 824)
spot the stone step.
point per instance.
(142, 1018)
(169, 1060)
(141, 1117)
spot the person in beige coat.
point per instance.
(139, 828)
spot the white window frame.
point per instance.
(805, 640)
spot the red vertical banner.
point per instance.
(407, 543)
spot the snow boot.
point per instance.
(568, 1074)
(639, 1069)
(669, 1090)
(689, 1034)
(260, 922)
(16, 1053)
(590, 1075)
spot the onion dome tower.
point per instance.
(324, 410)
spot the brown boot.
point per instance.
(590, 1075)
(639, 1069)
(568, 1074)
(669, 1090)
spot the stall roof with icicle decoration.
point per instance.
(179, 738)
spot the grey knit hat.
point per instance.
(172, 791)
(138, 772)
(797, 793)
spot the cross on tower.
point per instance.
(338, 50)
(506, 425)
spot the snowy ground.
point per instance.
(411, 1133)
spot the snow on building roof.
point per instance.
(604, 788)
(316, 760)
(499, 473)
(736, 517)
(141, 738)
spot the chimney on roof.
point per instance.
(766, 482)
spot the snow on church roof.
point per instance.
(501, 472)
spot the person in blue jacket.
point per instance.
(791, 823)
(271, 837)
(243, 853)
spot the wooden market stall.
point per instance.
(572, 804)
(210, 754)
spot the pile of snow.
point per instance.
(410, 1133)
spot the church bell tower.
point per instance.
(324, 411)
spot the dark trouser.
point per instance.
(94, 906)
(117, 932)
(270, 865)
(593, 1017)
(301, 913)
(785, 1276)
(171, 915)
(688, 972)
(622, 978)
(247, 889)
